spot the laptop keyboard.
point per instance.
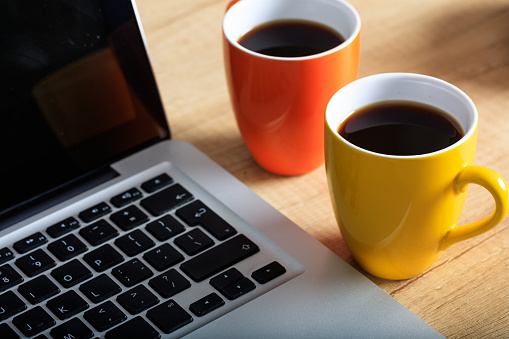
(151, 260)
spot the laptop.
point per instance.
(109, 228)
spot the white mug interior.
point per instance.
(402, 87)
(245, 15)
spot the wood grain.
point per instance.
(465, 42)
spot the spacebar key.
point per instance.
(218, 258)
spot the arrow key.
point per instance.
(268, 272)
(206, 304)
(238, 289)
(226, 278)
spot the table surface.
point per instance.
(465, 42)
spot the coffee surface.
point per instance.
(401, 128)
(291, 38)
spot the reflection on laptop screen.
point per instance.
(77, 93)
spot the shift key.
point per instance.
(220, 257)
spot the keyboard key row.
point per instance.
(130, 273)
(168, 316)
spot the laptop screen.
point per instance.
(77, 93)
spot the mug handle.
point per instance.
(233, 2)
(498, 188)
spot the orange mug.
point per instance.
(279, 102)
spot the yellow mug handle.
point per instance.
(498, 188)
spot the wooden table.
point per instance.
(465, 42)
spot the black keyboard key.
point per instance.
(6, 332)
(10, 304)
(74, 329)
(137, 299)
(194, 241)
(206, 304)
(38, 289)
(100, 288)
(126, 198)
(132, 272)
(163, 257)
(197, 213)
(68, 247)
(33, 321)
(226, 278)
(104, 316)
(165, 228)
(220, 257)
(103, 258)
(134, 328)
(166, 200)
(9, 277)
(63, 227)
(238, 289)
(169, 316)
(268, 272)
(95, 212)
(72, 273)
(5, 255)
(169, 283)
(129, 218)
(34, 263)
(66, 305)
(29, 243)
(156, 183)
(98, 232)
(134, 243)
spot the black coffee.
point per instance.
(401, 128)
(291, 38)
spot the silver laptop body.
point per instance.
(88, 58)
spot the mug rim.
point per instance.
(468, 130)
(348, 40)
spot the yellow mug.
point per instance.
(398, 213)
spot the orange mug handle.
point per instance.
(498, 188)
(233, 2)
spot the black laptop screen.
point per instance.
(77, 93)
